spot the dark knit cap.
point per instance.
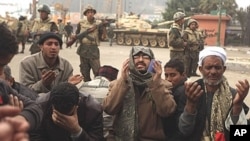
(48, 35)
(109, 72)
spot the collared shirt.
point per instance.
(31, 69)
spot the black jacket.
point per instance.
(89, 118)
(23, 90)
(32, 111)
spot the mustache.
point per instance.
(140, 63)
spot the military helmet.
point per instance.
(89, 7)
(190, 21)
(178, 15)
(44, 8)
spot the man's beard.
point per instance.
(212, 83)
(142, 71)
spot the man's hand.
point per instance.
(242, 89)
(158, 70)
(67, 122)
(12, 128)
(48, 77)
(14, 101)
(193, 92)
(125, 69)
(75, 79)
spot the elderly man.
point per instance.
(139, 98)
(210, 105)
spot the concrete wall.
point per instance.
(210, 23)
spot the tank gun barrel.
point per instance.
(170, 22)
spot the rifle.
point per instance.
(80, 36)
(85, 33)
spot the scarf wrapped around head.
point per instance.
(126, 127)
(137, 77)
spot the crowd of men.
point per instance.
(140, 105)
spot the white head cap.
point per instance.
(212, 51)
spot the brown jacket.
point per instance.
(149, 117)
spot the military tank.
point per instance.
(131, 30)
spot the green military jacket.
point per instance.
(175, 41)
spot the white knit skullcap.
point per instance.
(209, 51)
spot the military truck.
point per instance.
(131, 30)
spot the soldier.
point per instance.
(191, 36)
(60, 28)
(110, 34)
(22, 32)
(68, 28)
(41, 25)
(176, 43)
(203, 35)
(88, 50)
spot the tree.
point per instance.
(188, 7)
(247, 31)
(191, 7)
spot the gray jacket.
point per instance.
(30, 72)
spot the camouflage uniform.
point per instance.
(60, 29)
(88, 50)
(68, 31)
(22, 32)
(191, 36)
(40, 26)
(175, 41)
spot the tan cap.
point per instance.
(89, 7)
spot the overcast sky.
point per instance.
(24, 4)
(243, 3)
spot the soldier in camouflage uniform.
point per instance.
(22, 32)
(60, 28)
(191, 36)
(176, 43)
(42, 25)
(88, 50)
(68, 30)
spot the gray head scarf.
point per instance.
(137, 77)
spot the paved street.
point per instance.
(115, 55)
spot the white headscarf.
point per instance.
(209, 51)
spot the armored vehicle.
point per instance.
(133, 31)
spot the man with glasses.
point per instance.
(139, 98)
(42, 71)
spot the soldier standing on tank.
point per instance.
(191, 36)
(42, 25)
(22, 32)
(88, 50)
(176, 43)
